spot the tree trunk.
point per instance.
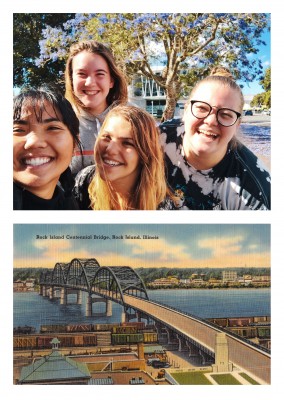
(171, 100)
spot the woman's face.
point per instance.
(119, 157)
(91, 81)
(41, 151)
(206, 138)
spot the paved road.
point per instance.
(263, 120)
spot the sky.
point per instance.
(175, 245)
(264, 55)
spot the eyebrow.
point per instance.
(96, 70)
(120, 138)
(45, 121)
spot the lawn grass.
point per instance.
(225, 379)
(191, 378)
(249, 379)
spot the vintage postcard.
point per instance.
(142, 304)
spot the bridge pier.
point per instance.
(89, 305)
(123, 316)
(44, 291)
(63, 296)
(51, 292)
(79, 297)
(108, 308)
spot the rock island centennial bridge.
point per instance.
(124, 286)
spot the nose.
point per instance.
(90, 80)
(112, 147)
(34, 140)
(212, 118)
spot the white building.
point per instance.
(229, 276)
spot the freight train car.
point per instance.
(57, 328)
(103, 327)
(138, 324)
(33, 342)
(80, 328)
(121, 338)
(124, 329)
(24, 342)
(150, 337)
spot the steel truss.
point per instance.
(87, 275)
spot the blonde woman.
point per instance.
(205, 162)
(129, 172)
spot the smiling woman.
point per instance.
(129, 172)
(206, 164)
(45, 131)
(94, 85)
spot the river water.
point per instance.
(34, 310)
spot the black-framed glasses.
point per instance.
(225, 116)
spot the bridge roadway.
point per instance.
(241, 354)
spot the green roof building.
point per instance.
(55, 369)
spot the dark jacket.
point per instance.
(25, 200)
(238, 182)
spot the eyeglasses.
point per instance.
(225, 116)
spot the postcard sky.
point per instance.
(179, 246)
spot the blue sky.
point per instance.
(264, 55)
(182, 245)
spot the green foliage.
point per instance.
(188, 45)
(23, 274)
(150, 274)
(266, 81)
(27, 33)
(263, 99)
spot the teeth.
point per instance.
(111, 162)
(37, 161)
(91, 92)
(207, 133)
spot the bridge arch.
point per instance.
(86, 274)
(80, 272)
(59, 273)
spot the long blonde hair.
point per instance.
(118, 93)
(151, 187)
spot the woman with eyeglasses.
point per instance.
(206, 164)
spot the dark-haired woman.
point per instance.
(45, 133)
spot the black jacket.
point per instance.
(25, 200)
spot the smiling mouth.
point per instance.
(91, 92)
(37, 161)
(112, 163)
(208, 134)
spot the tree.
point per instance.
(264, 99)
(188, 45)
(27, 32)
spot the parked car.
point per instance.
(160, 364)
(151, 360)
(266, 112)
(248, 112)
